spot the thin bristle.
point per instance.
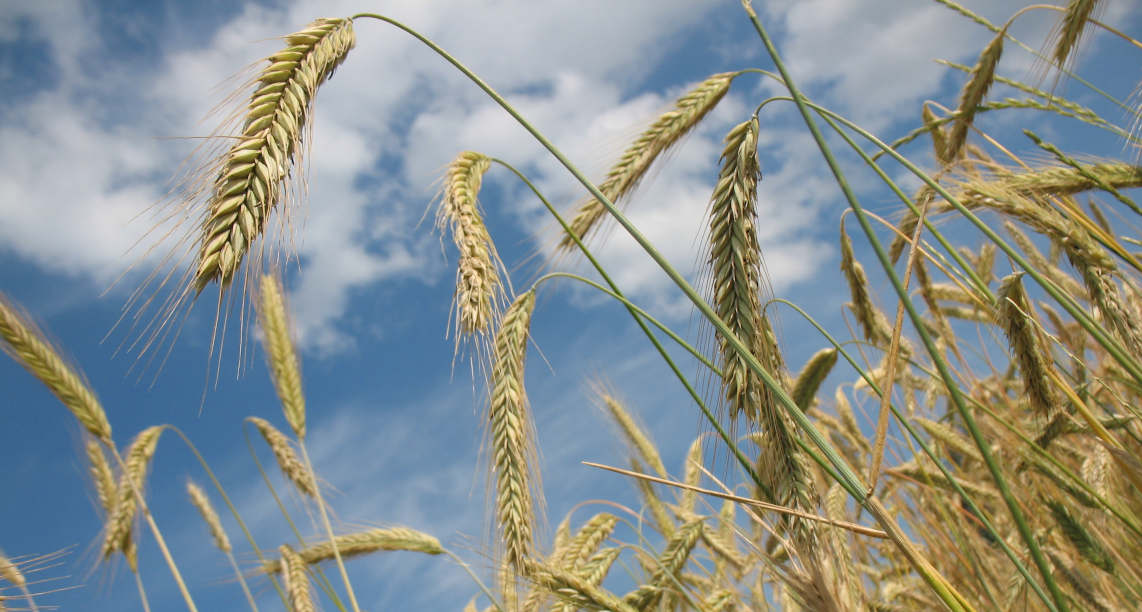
(511, 434)
(251, 179)
(202, 503)
(667, 130)
(26, 344)
(281, 355)
(287, 459)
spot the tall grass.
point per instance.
(1010, 370)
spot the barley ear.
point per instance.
(26, 344)
(1074, 21)
(479, 291)
(281, 354)
(667, 130)
(253, 175)
(574, 589)
(202, 503)
(1016, 316)
(635, 436)
(134, 478)
(364, 543)
(812, 376)
(102, 476)
(982, 76)
(287, 458)
(11, 573)
(296, 580)
(512, 446)
(936, 130)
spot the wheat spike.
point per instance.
(982, 76)
(281, 354)
(139, 455)
(296, 580)
(363, 543)
(26, 344)
(511, 433)
(479, 291)
(202, 503)
(287, 459)
(671, 126)
(252, 177)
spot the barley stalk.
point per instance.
(479, 291)
(251, 178)
(287, 459)
(668, 129)
(511, 433)
(202, 503)
(281, 354)
(363, 543)
(296, 580)
(26, 344)
(1015, 314)
(982, 76)
(134, 478)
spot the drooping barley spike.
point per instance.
(874, 325)
(635, 436)
(206, 510)
(281, 355)
(27, 345)
(102, 476)
(982, 76)
(939, 137)
(1074, 21)
(479, 291)
(593, 571)
(252, 178)
(287, 458)
(668, 129)
(586, 541)
(512, 446)
(1037, 260)
(1014, 312)
(691, 475)
(363, 543)
(296, 580)
(667, 567)
(570, 587)
(138, 460)
(812, 376)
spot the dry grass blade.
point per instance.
(1023, 333)
(363, 543)
(251, 178)
(671, 126)
(982, 76)
(296, 581)
(512, 445)
(281, 354)
(287, 459)
(26, 344)
(479, 291)
(206, 510)
(138, 460)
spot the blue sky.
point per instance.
(100, 101)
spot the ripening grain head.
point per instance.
(202, 503)
(26, 344)
(296, 580)
(287, 459)
(253, 177)
(281, 354)
(138, 460)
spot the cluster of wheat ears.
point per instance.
(1015, 483)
